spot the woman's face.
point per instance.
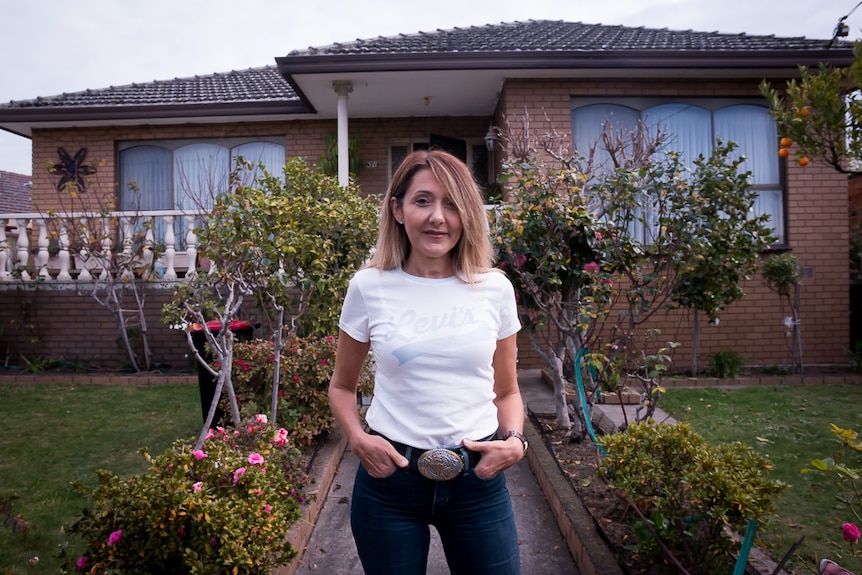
(431, 220)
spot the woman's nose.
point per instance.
(437, 212)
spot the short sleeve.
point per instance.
(509, 322)
(354, 313)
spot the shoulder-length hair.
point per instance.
(473, 253)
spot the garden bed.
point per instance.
(591, 518)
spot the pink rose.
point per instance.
(591, 268)
(280, 437)
(255, 459)
(267, 508)
(198, 486)
(114, 537)
(199, 454)
(851, 532)
(238, 473)
(260, 418)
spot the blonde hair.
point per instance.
(473, 253)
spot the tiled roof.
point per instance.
(267, 85)
(557, 36)
(15, 193)
(263, 84)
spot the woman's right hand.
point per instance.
(378, 456)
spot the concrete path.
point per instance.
(331, 550)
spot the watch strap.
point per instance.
(519, 435)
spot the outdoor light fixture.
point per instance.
(842, 30)
(490, 138)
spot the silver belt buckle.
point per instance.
(440, 464)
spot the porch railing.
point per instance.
(59, 255)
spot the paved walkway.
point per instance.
(331, 550)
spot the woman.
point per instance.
(441, 325)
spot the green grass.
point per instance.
(51, 435)
(791, 426)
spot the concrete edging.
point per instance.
(299, 535)
(591, 553)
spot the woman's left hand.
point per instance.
(497, 456)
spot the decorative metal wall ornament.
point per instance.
(72, 169)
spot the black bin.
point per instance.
(242, 331)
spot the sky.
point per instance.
(48, 47)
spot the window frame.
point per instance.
(641, 104)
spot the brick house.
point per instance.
(446, 88)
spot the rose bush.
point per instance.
(222, 509)
(847, 478)
(306, 368)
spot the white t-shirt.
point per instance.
(433, 342)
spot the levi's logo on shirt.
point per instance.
(433, 333)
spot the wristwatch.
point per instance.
(519, 435)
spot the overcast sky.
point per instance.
(48, 47)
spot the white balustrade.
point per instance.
(84, 247)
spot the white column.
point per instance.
(191, 246)
(83, 258)
(23, 246)
(63, 256)
(343, 88)
(106, 255)
(124, 261)
(42, 254)
(170, 248)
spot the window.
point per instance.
(692, 128)
(473, 152)
(186, 175)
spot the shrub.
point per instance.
(725, 364)
(306, 368)
(224, 509)
(692, 494)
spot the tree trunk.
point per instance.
(695, 343)
(277, 345)
(560, 404)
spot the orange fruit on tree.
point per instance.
(803, 161)
(785, 142)
(783, 152)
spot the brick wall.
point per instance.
(816, 206)
(816, 213)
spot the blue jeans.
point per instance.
(390, 519)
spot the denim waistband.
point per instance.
(412, 454)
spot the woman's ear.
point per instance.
(397, 212)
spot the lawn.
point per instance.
(51, 435)
(791, 426)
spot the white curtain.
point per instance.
(753, 129)
(145, 183)
(145, 178)
(687, 130)
(266, 153)
(588, 124)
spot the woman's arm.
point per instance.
(499, 455)
(377, 455)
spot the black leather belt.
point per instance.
(438, 464)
